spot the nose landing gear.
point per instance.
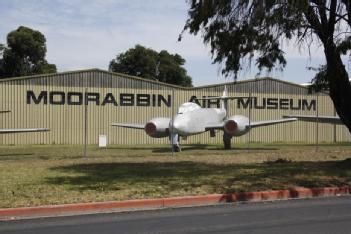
(174, 138)
(176, 148)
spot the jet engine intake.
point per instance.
(236, 125)
(157, 127)
(230, 127)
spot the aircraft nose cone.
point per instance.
(178, 126)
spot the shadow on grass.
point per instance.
(33, 156)
(192, 147)
(5, 157)
(9, 155)
(160, 149)
(249, 149)
(164, 148)
(129, 148)
(321, 144)
(173, 176)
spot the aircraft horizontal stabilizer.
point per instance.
(19, 130)
(313, 118)
(129, 125)
(270, 122)
(220, 98)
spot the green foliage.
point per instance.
(2, 47)
(149, 64)
(320, 81)
(24, 54)
(240, 30)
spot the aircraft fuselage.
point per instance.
(196, 121)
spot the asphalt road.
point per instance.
(326, 215)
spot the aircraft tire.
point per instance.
(176, 148)
(227, 142)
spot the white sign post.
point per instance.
(102, 141)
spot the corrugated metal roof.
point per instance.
(147, 80)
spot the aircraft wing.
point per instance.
(214, 126)
(19, 130)
(270, 122)
(313, 118)
(255, 124)
(129, 125)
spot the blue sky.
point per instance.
(85, 34)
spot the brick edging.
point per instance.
(55, 210)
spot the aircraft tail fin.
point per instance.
(225, 92)
(224, 100)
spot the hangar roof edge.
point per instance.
(150, 81)
(251, 80)
(89, 70)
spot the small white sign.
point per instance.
(102, 141)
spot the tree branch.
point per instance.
(332, 17)
(322, 10)
(314, 22)
(341, 17)
(348, 10)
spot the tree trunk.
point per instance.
(339, 84)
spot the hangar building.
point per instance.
(64, 101)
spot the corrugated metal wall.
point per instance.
(66, 122)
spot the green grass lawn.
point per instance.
(55, 174)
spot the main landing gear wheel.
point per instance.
(227, 142)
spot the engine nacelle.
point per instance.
(157, 127)
(236, 125)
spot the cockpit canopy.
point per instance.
(188, 107)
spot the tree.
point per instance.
(24, 54)
(239, 30)
(149, 64)
(2, 47)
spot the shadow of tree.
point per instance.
(162, 148)
(297, 145)
(172, 176)
(12, 156)
(128, 148)
(190, 147)
(250, 149)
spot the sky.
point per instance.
(85, 34)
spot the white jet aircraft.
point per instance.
(19, 130)
(192, 119)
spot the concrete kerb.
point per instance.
(143, 204)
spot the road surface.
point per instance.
(322, 215)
